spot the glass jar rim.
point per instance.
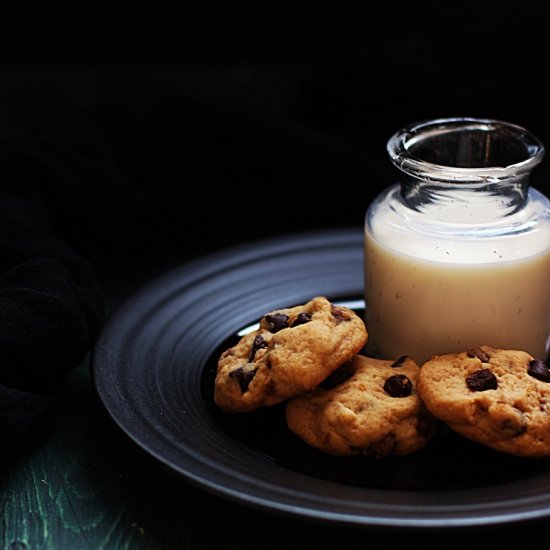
(398, 147)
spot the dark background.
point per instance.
(143, 138)
(196, 132)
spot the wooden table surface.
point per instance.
(85, 486)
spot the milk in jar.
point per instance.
(457, 254)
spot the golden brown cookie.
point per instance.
(496, 397)
(375, 410)
(293, 350)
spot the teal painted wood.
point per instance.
(60, 495)
(85, 487)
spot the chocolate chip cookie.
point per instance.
(293, 350)
(496, 397)
(369, 406)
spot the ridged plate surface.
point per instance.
(153, 369)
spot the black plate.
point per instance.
(153, 369)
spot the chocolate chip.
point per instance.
(338, 314)
(302, 319)
(276, 321)
(400, 361)
(479, 354)
(259, 343)
(243, 377)
(398, 386)
(482, 380)
(539, 370)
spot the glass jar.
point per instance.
(457, 254)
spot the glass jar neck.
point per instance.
(465, 169)
(465, 202)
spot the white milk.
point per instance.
(429, 295)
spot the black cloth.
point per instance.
(50, 309)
